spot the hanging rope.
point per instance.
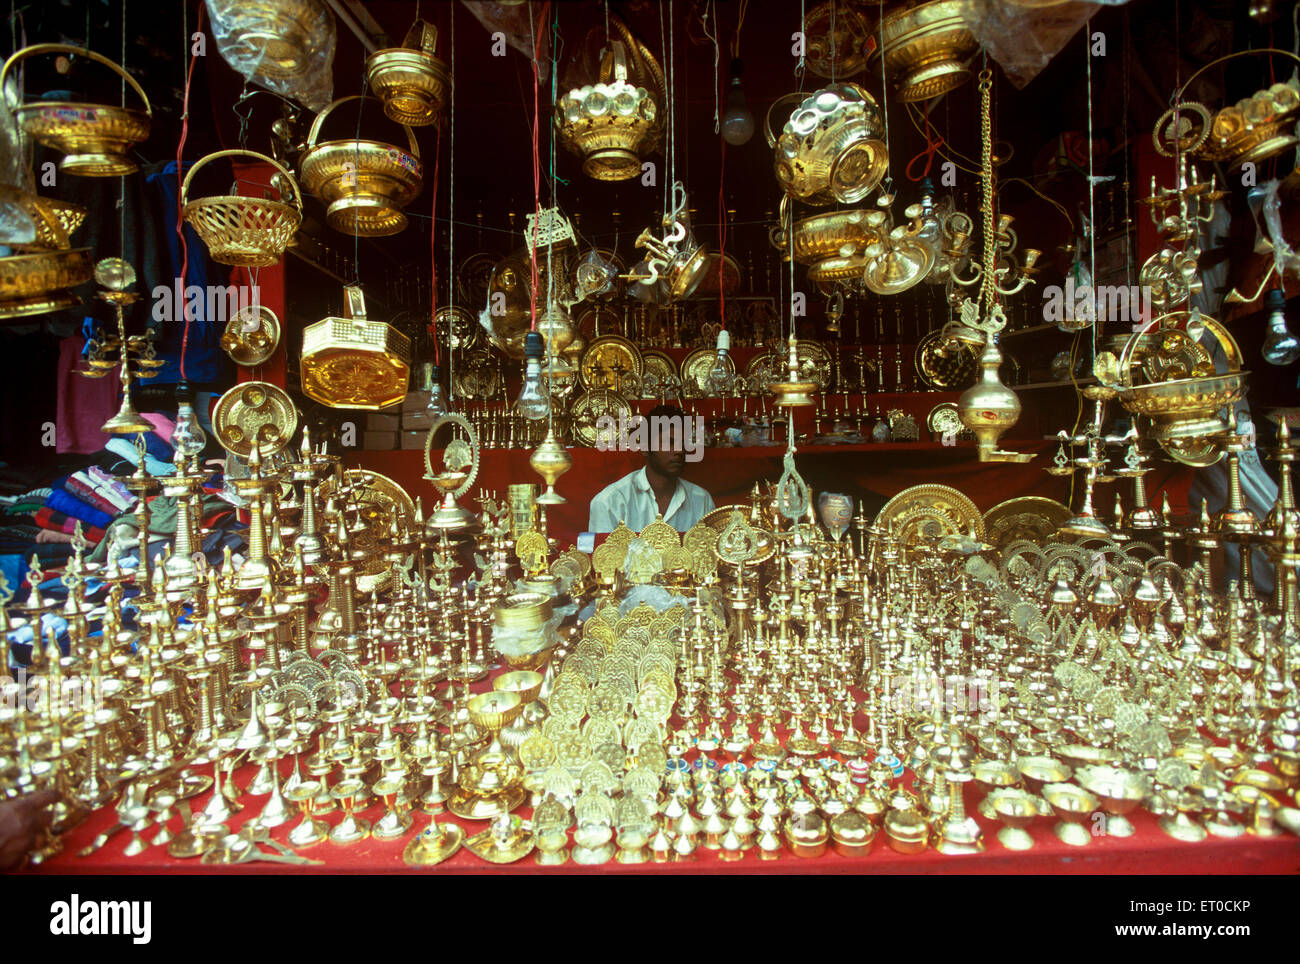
(180, 151)
(433, 243)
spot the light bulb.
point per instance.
(1281, 347)
(188, 437)
(534, 403)
(437, 406)
(737, 122)
(719, 378)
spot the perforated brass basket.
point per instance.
(94, 138)
(55, 221)
(249, 232)
(354, 362)
(365, 183)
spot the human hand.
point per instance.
(21, 821)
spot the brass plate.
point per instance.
(928, 512)
(659, 365)
(255, 411)
(242, 326)
(606, 360)
(956, 370)
(944, 419)
(717, 521)
(588, 408)
(697, 365)
(1028, 517)
(477, 376)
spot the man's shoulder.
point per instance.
(698, 491)
(614, 488)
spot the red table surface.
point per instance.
(881, 470)
(1148, 851)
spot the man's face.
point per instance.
(670, 464)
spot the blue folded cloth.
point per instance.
(126, 450)
(70, 505)
(156, 448)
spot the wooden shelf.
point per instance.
(1031, 330)
(1055, 384)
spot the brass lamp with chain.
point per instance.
(988, 408)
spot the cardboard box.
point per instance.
(416, 402)
(379, 441)
(379, 422)
(413, 440)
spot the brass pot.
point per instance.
(279, 36)
(924, 47)
(94, 138)
(988, 408)
(830, 148)
(365, 183)
(610, 123)
(410, 80)
(32, 284)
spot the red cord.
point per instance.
(433, 253)
(933, 141)
(722, 237)
(180, 208)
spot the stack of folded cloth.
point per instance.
(158, 453)
(91, 497)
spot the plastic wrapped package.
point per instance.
(286, 46)
(1024, 35)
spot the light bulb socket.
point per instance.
(183, 392)
(1275, 300)
(533, 347)
(737, 68)
(724, 340)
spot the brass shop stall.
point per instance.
(932, 358)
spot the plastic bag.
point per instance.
(1024, 37)
(286, 46)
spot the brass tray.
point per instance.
(944, 419)
(586, 409)
(944, 373)
(925, 513)
(255, 411)
(717, 521)
(1028, 517)
(476, 376)
(605, 361)
(772, 366)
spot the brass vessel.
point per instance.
(365, 183)
(32, 284)
(250, 231)
(611, 123)
(831, 147)
(411, 81)
(94, 138)
(924, 47)
(354, 362)
(53, 221)
(279, 36)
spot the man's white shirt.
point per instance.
(631, 501)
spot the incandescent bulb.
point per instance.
(737, 122)
(720, 376)
(188, 436)
(534, 404)
(1281, 347)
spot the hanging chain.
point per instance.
(986, 295)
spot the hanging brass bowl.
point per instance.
(94, 138)
(365, 183)
(354, 362)
(611, 123)
(411, 81)
(924, 47)
(830, 148)
(279, 36)
(33, 284)
(250, 232)
(1254, 129)
(823, 236)
(53, 221)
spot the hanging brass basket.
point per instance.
(279, 36)
(830, 149)
(248, 232)
(354, 362)
(365, 183)
(94, 138)
(410, 80)
(924, 48)
(33, 284)
(54, 221)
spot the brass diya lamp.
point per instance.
(491, 784)
(550, 460)
(94, 138)
(1120, 792)
(412, 82)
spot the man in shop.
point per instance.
(669, 439)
